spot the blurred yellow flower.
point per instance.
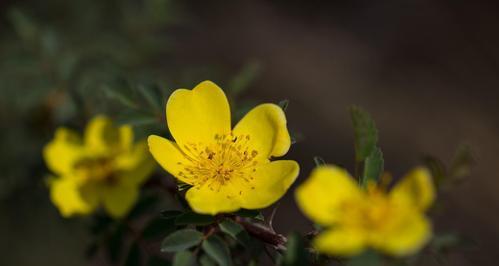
(228, 168)
(355, 219)
(104, 168)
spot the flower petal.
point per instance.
(63, 151)
(325, 191)
(136, 165)
(119, 200)
(197, 115)
(103, 137)
(415, 190)
(65, 194)
(341, 241)
(409, 235)
(207, 201)
(266, 126)
(270, 182)
(169, 156)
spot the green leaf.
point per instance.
(319, 161)
(184, 258)
(120, 97)
(181, 240)
(205, 260)
(216, 248)
(152, 95)
(255, 214)
(236, 231)
(437, 169)
(134, 257)
(367, 258)
(194, 218)
(182, 186)
(244, 78)
(443, 242)
(295, 255)
(158, 227)
(366, 134)
(284, 104)
(373, 167)
(462, 163)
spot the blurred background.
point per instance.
(426, 70)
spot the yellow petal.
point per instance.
(169, 156)
(197, 115)
(119, 200)
(102, 137)
(410, 233)
(323, 194)
(207, 201)
(65, 194)
(270, 182)
(135, 165)
(415, 190)
(266, 126)
(63, 151)
(341, 241)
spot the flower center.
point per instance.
(371, 213)
(217, 163)
(95, 169)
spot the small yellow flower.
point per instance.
(355, 219)
(228, 168)
(104, 168)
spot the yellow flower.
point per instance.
(355, 219)
(104, 168)
(228, 168)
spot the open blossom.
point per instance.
(355, 219)
(105, 168)
(229, 168)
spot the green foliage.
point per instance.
(367, 154)
(367, 258)
(373, 166)
(296, 254)
(184, 258)
(319, 161)
(181, 240)
(284, 104)
(217, 249)
(236, 231)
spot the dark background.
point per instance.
(426, 70)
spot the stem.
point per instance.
(263, 233)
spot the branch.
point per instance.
(263, 233)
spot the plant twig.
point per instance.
(263, 233)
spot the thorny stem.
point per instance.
(263, 233)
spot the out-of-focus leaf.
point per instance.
(136, 118)
(367, 258)
(296, 254)
(194, 218)
(255, 214)
(120, 96)
(216, 248)
(319, 161)
(366, 134)
(152, 95)
(205, 260)
(445, 242)
(242, 80)
(23, 24)
(182, 186)
(134, 257)
(158, 227)
(437, 169)
(236, 231)
(462, 163)
(181, 240)
(373, 167)
(184, 258)
(284, 104)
